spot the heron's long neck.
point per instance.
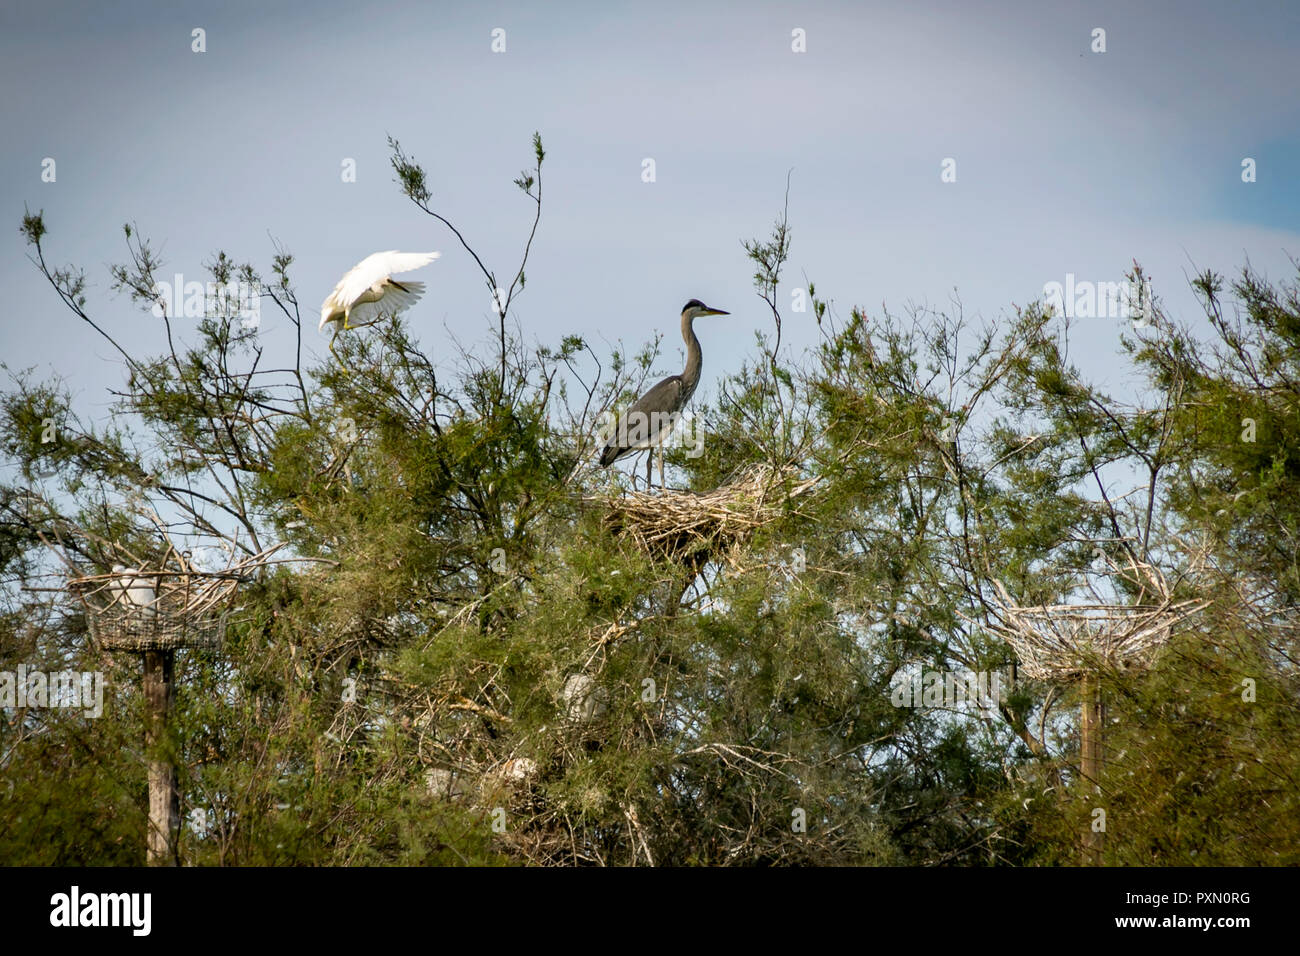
(691, 376)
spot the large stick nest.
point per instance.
(1064, 642)
(690, 528)
(160, 609)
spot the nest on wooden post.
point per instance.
(161, 609)
(691, 528)
(1063, 643)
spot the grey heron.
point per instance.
(651, 417)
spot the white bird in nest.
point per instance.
(368, 292)
(583, 700)
(139, 591)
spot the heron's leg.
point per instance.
(650, 460)
(662, 484)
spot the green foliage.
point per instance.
(459, 663)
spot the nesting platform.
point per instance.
(1066, 642)
(159, 610)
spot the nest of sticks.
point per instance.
(690, 528)
(163, 608)
(1064, 642)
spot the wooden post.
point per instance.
(1092, 722)
(164, 798)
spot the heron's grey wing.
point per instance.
(645, 420)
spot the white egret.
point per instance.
(138, 591)
(368, 291)
(583, 699)
(653, 416)
(443, 783)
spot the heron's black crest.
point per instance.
(694, 303)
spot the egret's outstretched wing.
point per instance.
(646, 420)
(377, 268)
(400, 298)
(395, 262)
(355, 282)
(363, 276)
(394, 301)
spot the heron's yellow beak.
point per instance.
(713, 311)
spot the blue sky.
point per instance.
(1068, 161)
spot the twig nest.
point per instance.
(1063, 642)
(161, 609)
(133, 609)
(518, 769)
(690, 528)
(508, 782)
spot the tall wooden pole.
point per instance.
(1092, 722)
(164, 798)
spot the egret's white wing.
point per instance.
(395, 262)
(393, 302)
(367, 313)
(141, 594)
(360, 278)
(333, 305)
(399, 300)
(370, 270)
(377, 268)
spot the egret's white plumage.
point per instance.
(368, 291)
(583, 700)
(136, 590)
